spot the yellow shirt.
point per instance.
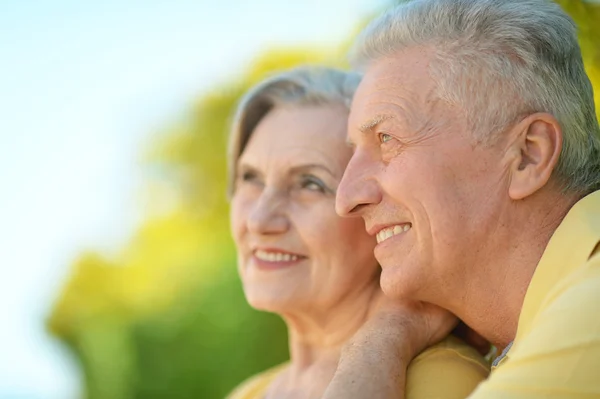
(449, 370)
(556, 353)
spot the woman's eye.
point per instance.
(313, 184)
(384, 137)
(249, 177)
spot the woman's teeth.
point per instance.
(275, 256)
(392, 231)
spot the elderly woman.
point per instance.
(296, 257)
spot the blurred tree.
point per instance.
(166, 317)
(587, 15)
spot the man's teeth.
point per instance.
(392, 231)
(275, 256)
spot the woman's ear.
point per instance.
(536, 149)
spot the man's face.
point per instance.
(423, 185)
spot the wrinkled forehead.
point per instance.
(399, 86)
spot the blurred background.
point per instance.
(118, 276)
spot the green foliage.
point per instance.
(215, 340)
(587, 16)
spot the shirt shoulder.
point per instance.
(568, 319)
(256, 386)
(450, 369)
(558, 356)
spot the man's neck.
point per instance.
(493, 303)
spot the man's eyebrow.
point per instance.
(373, 122)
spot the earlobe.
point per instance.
(537, 149)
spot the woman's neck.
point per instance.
(316, 338)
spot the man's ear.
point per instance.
(535, 148)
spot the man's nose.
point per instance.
(268, 215)
(359, 187)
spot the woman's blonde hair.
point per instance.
(302, 86)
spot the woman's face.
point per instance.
(294, 252)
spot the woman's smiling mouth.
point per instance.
(272, 258)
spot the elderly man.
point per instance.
(477, 167)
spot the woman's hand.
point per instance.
(403, 326)
(373, 363)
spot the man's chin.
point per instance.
(396, 283)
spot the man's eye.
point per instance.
(384, 137)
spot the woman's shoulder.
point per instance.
(456, 349)
(256, 386)
(449, 369)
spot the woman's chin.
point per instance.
(267, 303)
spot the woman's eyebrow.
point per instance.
(307, 167)
(245, 167)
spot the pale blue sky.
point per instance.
(82, 86)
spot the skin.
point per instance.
(480, 215)
(284, 200)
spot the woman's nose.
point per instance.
(268, 215)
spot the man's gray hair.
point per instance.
(501, 60)
(301, 86)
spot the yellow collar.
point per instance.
(570, 247)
